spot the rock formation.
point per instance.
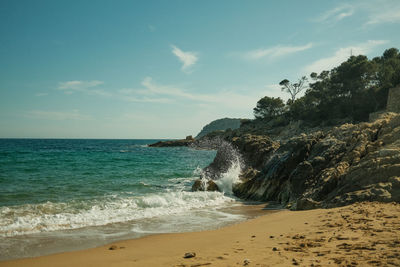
(189, 140)
(321, 167)
(204, 185)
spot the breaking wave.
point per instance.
(50, 216)
(226, 167)
(228, 179)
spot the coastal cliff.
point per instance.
(304, 168)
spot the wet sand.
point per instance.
(363, 234)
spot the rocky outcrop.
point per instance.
(204, 185)
(225, 157)
(324, 167)
(189, 140)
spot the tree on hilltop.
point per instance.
(293, 88)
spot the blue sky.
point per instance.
(164, 69)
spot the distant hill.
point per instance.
(218, 125)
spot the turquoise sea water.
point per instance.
(58, 195)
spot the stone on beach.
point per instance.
(189, 255)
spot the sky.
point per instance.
(164, 69)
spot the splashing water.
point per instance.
(228, 179)
(226, 167)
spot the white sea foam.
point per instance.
(229, 178)
(49, 216)
(232, 157)
(226, 180)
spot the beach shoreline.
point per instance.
(359, 234)
(53, 242)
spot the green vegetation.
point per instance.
(269, 108)
(293, 88)
(348, 92)
(219, 125)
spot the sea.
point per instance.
(66, 194)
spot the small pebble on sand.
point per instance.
(189, 255)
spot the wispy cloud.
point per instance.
(124, 94)
(372, 12)
(188, 59)
(383, 12)
(152, 92)
(157, 89)
(78, 85)
(41, 94)
(70, 87)
(275, 52)
(57, 115)
(222, 98)
(342, 54)
(336, 14)
(134, 97)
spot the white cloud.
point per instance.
(41, 94)
(57, 115)
(274, 52)
(229, 99)
(146, 99)
(70, 87)
(342, 54)
(336, 14)
(140, 95)
(239, 101)
(385, 12)
(187, 58)
(373, 12)
(78, 85)
(154, 88)
(124, 94)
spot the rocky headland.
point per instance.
(306, 168)
(219, 125)
(189, 140)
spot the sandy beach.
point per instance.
(363, 234)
